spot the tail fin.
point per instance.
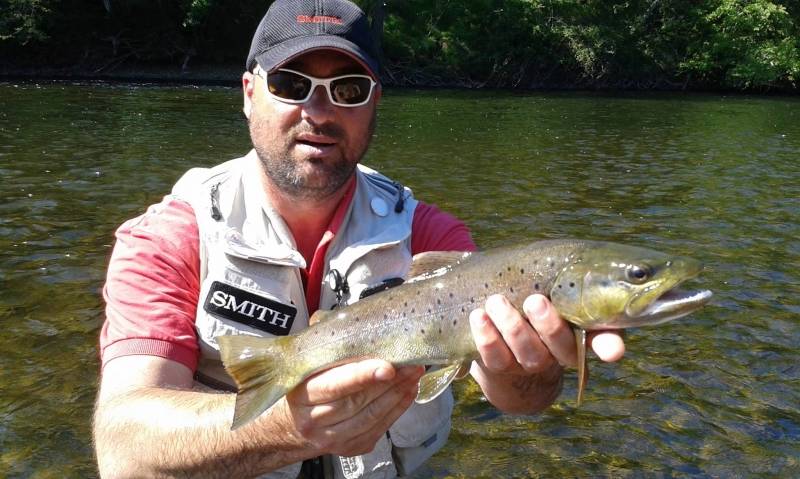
(258, 367)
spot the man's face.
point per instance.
(309, 150)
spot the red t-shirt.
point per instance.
(153, 283)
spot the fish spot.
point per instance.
(559, 285)
(500, 274)
(405, 304)
(438, 301)
(441, 316)
(405, 328)
(472, 300)
(422, 331)
(463, 310)
(511, 289)
(455, 321)
(536, 286)
(413, 310)
(508, 269)
(333, 333)
(430, 310)
(552, 263)
(522, 270)
(571, 284)
(486, 285)
(440, 330)
(451, 295)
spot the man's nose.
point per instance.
(319, 109)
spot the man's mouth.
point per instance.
(315, 141)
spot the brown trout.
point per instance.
(593, 285)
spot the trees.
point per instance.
(732, 44)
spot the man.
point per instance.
(255, 246)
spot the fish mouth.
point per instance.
(671, 304)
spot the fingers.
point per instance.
(608, 345)
(365, 428)
(342, 392)
(344, 380)
(554, 332)
(506, 341)
(347, 408)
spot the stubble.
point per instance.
(306, 178)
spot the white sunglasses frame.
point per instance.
(315, 82)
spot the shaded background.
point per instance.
(635, 44)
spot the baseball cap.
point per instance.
(293, 27)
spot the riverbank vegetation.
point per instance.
(654, 44)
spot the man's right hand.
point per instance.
(345, 410)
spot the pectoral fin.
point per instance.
(432, 384)
(583, 366)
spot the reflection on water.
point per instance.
(713, 177)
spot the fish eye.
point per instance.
(638, 274)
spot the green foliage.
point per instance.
(749, 44)
(733, 44)
(21, 20)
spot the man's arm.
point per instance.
(149, 422)
(523, 357)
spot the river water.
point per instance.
(716, 394)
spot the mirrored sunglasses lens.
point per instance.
(288, 86)
(350, 90)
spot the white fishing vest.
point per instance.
(250, 282)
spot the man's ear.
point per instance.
(248, 88)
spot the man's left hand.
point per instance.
(522, 357)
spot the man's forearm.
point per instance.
(159, 432)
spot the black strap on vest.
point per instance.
(401, 198)
(382, 286)
(312, 469)
(338, 283)
(214, 383)
(215, 213)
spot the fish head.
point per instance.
(612, 286)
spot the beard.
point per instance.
(306, 178)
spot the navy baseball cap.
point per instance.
(293, 27)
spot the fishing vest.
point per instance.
(251, 283)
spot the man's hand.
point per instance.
(346, 409)
(530, 351)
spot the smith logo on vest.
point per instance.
(250, 309)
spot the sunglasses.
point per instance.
(290, 86)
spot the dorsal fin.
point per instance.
(434, 263)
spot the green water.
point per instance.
(716, 394)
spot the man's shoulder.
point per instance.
(169, 222)
(200, 176)
(436, 230)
